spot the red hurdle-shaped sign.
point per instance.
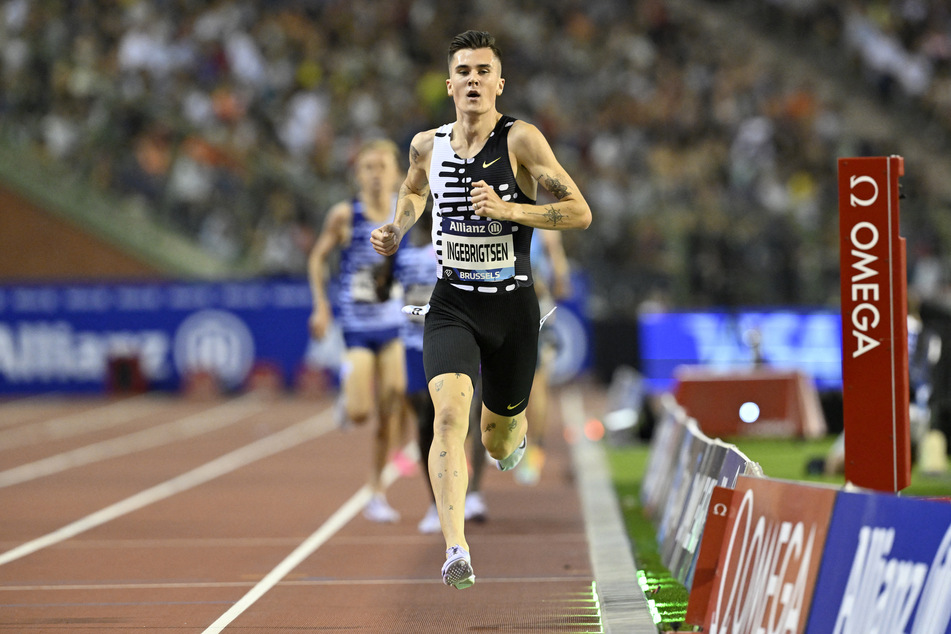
(874, 324)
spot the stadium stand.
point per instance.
(709, 159)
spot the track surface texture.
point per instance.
(164, 514)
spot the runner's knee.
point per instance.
(451, 420)
(501, 436)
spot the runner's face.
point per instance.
(377, 172)
(475, 80)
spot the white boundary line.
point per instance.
(18, 409)
(101, 417)
(624, 607)
(333, 524)
(193, 425)
(275, 443)
(297, 583)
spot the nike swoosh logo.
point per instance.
(485, 165)
(523, 400)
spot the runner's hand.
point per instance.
(386, 239)
(486, 203)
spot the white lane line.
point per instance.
(77, 423)
(194, 425)
(624, 607)
(14, 410)
(292, 436)
(205, 543)
(297, 583)
(21, 411)
(333, 524)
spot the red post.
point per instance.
(874, 324)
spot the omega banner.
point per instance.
(782, 557)
(874, 324)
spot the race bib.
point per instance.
(480, 258)
(363, 287)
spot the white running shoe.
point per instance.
(379, 510)
(511, 461)
(457, 571)
(476, 509)
(430, 522)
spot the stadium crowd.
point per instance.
(710, 172)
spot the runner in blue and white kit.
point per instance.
(483, 172)
(368, 307)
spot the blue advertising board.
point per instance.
(886, 567)
(59, 337)
(809, 341)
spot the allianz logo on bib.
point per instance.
(493, 227)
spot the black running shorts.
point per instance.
(499, 331)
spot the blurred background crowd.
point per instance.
(704, 133)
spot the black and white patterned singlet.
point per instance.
(476, 253)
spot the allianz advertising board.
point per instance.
(886, 567)
(58, 337)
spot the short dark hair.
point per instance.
(473, 40)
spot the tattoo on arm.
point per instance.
(553, 215)
(490, 427)
(513, 425)
(438, 386)
(413, 154)
(555, 187)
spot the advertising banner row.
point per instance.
(792, 557)
(60, 337)
(767, 556)
(685, 467)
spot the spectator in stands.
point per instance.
(658, 100)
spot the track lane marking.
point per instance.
(624, 607)
(305, 583)
(318, 538)
(287, 438)
(193, 425)
(16, 410)
(69, 425)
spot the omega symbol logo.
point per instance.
(854, 182)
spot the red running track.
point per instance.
(161, 514)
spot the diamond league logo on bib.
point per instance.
(217, 341)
